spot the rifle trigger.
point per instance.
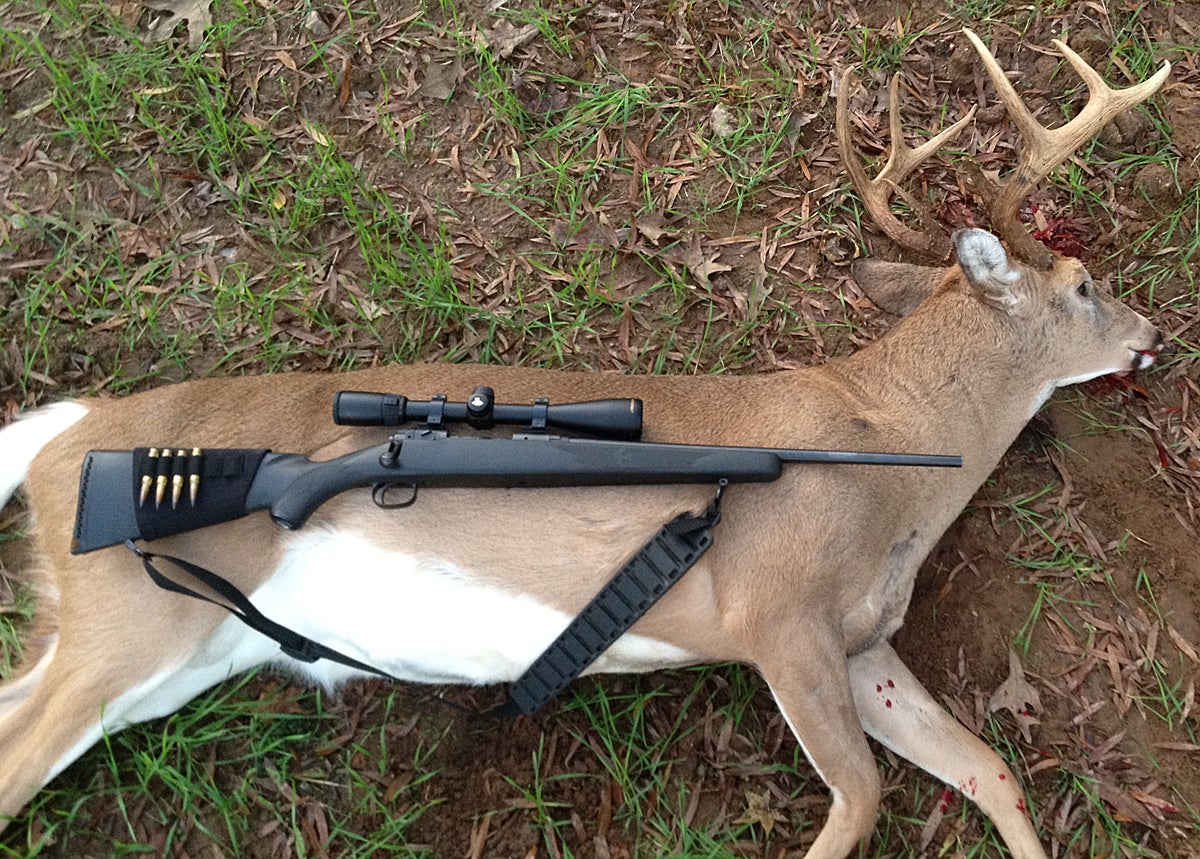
(380, 491)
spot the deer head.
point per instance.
(1059, 317)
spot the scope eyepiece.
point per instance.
(362, 409)
(616, 418)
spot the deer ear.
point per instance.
(985, 265)
(896, 287)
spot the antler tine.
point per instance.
(904, 159)
(1130, 96)
(876, 193)
(1045, 148)
(1017, 111)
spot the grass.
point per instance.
(278, 200)
(184, 122)
(172, 778)
(12, 624)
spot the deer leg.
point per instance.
(811, 685)
(75, 695)
(53, 716)
(896, 710)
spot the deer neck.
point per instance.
(960, 372)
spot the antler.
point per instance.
(1046, 148)
(877, 193)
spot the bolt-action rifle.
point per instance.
(150, 493)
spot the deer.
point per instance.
(807, 580)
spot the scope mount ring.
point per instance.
(436, 419)
(539, 420)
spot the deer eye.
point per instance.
(1085, 289)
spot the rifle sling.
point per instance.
(626, 597)
(239, 605)
(620, 603)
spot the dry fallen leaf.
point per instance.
(315, 134)
(441, 77)
(1124, 806)
(709, 266)
(701, 264)
(539, 97)
(286, 58)
(758, 810)
(127, 11)
(1018, 697)
(653, 226)
(504, 38)
(197, 14)
(137, 242)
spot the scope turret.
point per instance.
(618, 419)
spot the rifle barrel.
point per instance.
(866, 458)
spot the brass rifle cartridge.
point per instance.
(177, 477)
(194, 465)
(160, 483)
(148, 478)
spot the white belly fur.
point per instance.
(421, 619)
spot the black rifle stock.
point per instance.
(291, 486)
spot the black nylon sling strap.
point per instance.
(628, 595)
(290, 642)
(620, 603)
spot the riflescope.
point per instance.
(618, 419)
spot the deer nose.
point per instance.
(1159, 347)
(1143, 358)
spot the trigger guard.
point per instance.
(379, 495)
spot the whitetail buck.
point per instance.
(808, 578)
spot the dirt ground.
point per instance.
(1092, 582)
